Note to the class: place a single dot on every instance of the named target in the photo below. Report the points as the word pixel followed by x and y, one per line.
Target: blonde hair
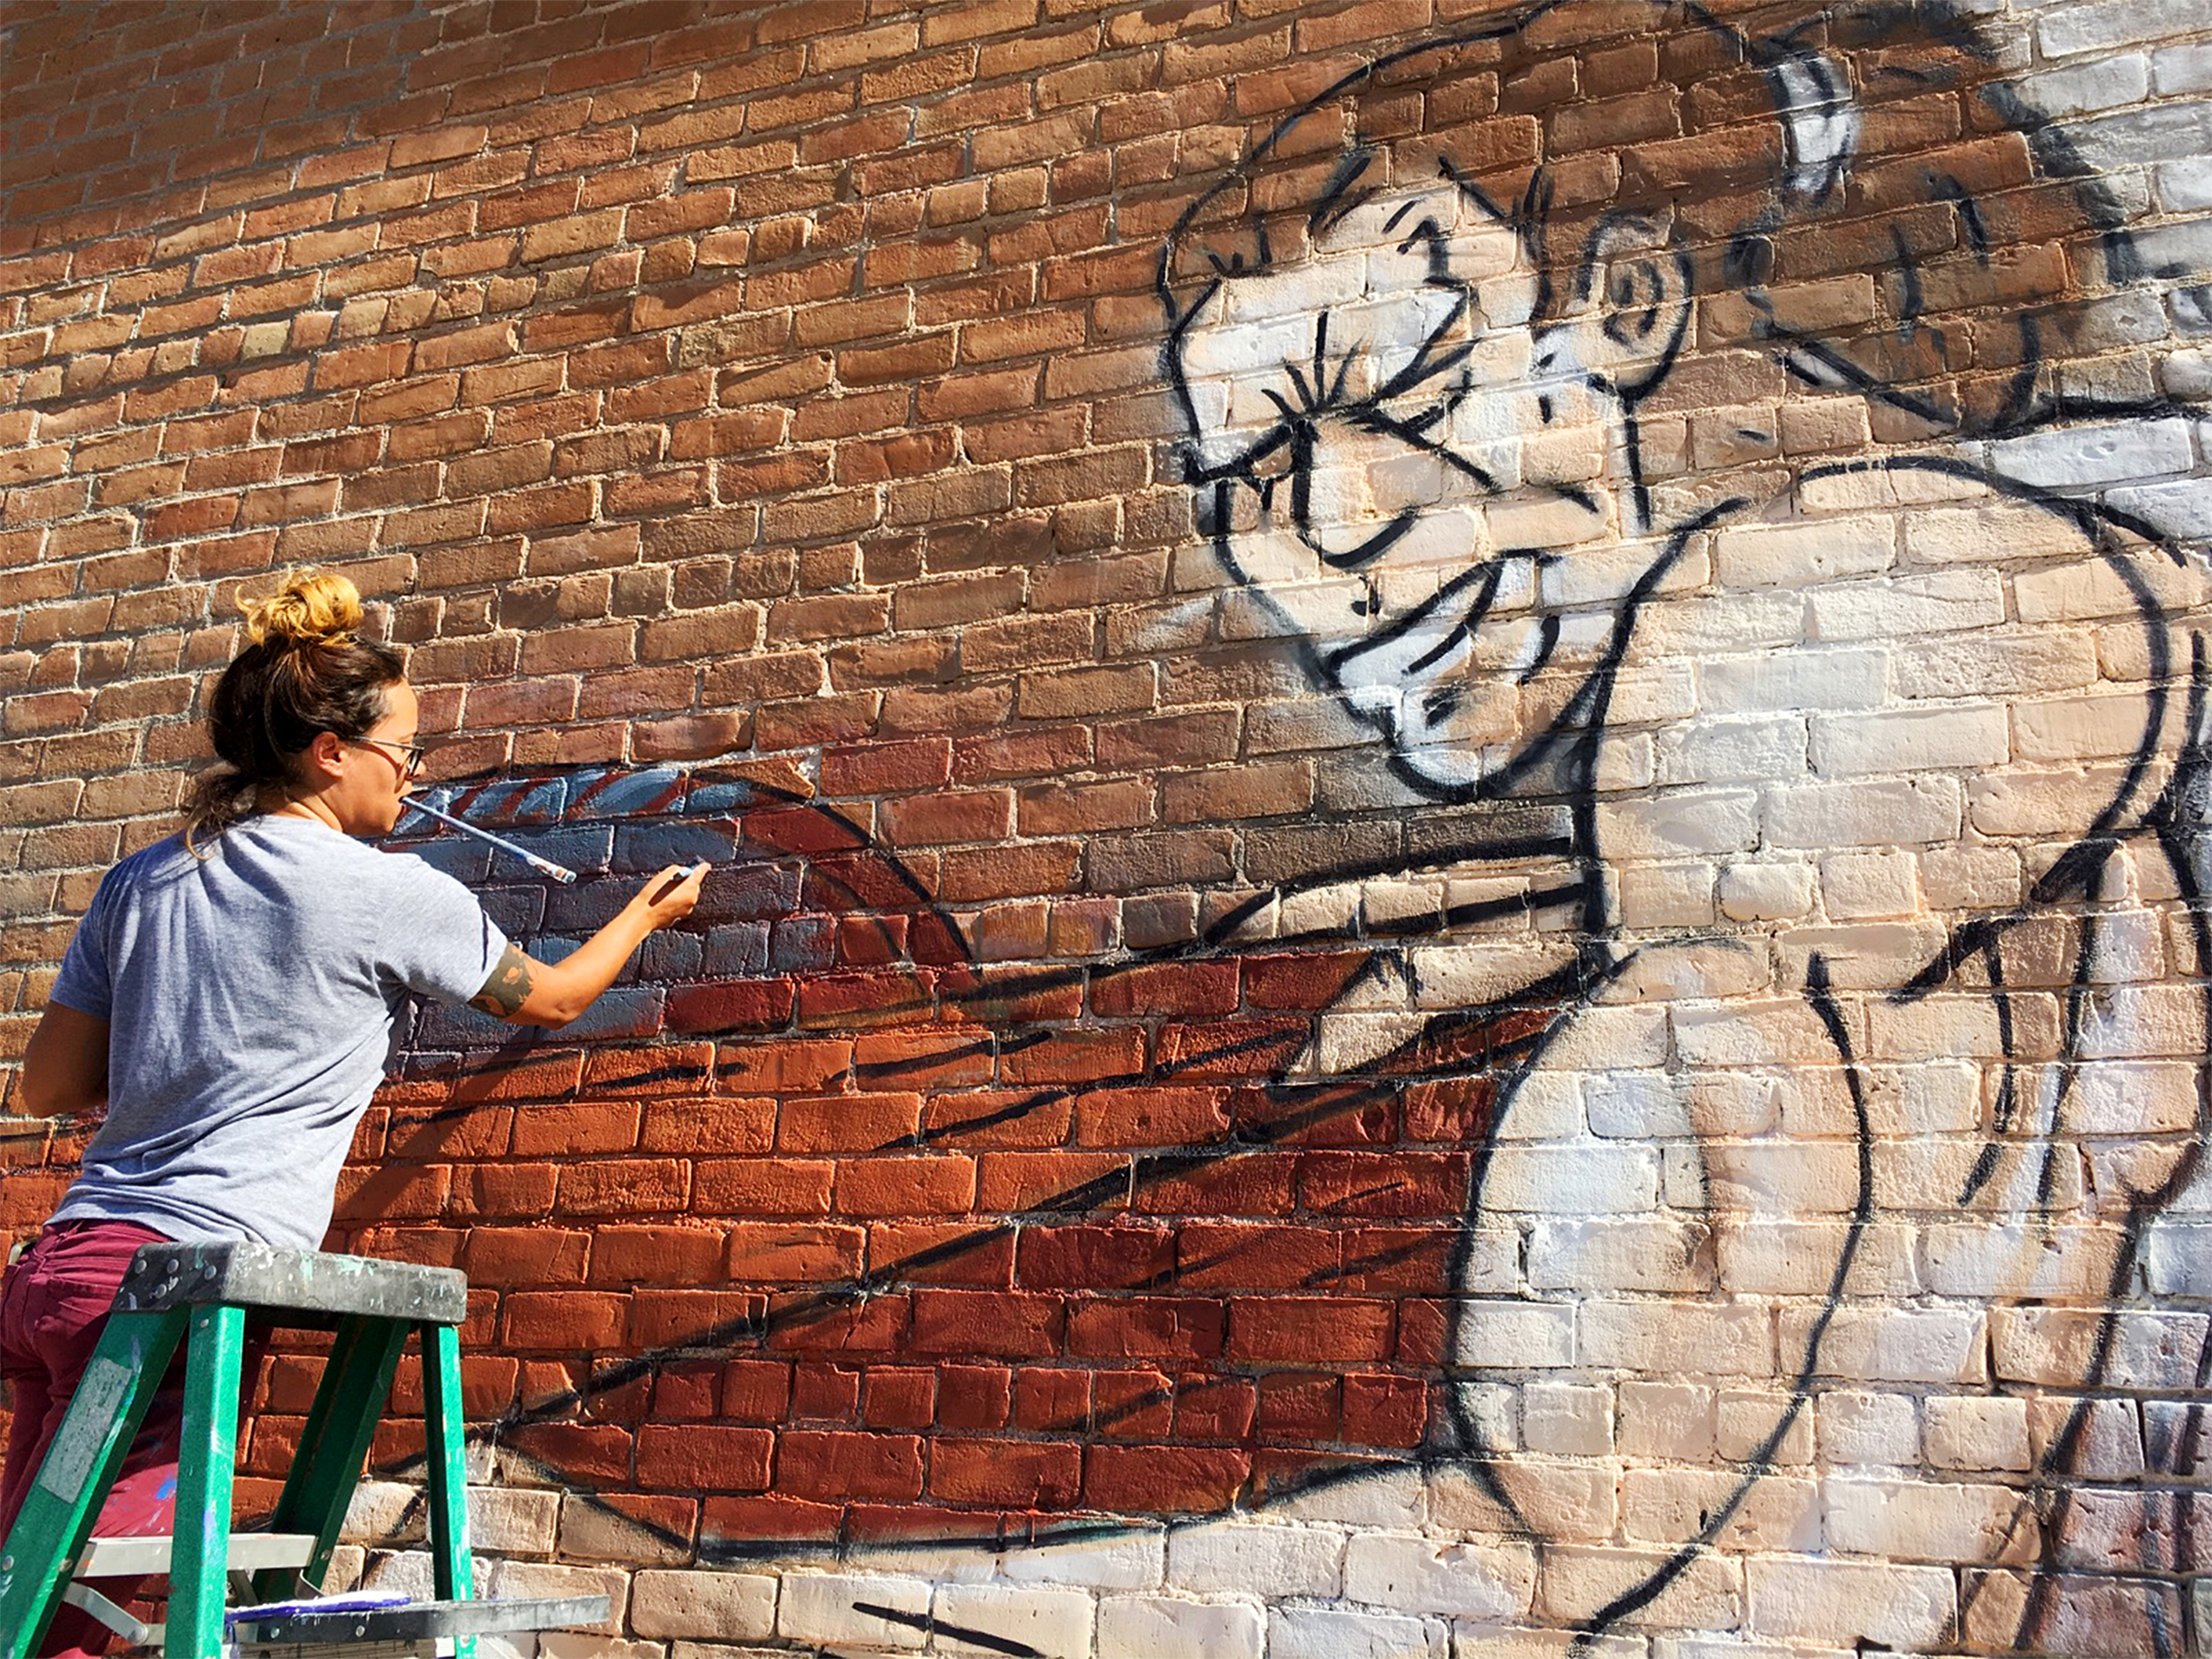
pixel 305 670
pixel 313 608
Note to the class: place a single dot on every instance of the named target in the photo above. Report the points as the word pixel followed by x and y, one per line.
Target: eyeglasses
pixel 413 752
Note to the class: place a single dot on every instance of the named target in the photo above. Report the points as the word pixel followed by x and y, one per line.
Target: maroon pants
pixel 54 1305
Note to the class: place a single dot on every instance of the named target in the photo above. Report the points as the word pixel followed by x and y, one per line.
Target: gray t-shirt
pixel 252 998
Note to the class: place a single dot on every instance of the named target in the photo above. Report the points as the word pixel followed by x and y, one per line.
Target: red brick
pixel 833 1464
pixel 1164 1480
pixel 703 1457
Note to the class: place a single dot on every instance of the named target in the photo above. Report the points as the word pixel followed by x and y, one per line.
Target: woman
pixel 229 1000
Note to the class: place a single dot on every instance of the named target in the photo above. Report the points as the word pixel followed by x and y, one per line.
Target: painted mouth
pixel 1380 675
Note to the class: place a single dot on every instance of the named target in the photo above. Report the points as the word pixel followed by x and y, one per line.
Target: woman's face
pixel 1407 466
pixel 373 774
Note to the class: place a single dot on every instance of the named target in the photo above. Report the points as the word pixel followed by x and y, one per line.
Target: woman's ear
pixel 1633 295
pixel 324 758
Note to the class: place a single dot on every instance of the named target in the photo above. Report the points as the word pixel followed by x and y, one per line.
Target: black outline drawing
pixel 1500 1044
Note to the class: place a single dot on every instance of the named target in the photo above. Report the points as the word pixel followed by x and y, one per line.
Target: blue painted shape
pixel 514 910
pixel 722 794
pixel 671 955
pixel 737 949
pixel 799 944
pixel 643 848
pixel 583 847
pixel 625 1011
pixel 465 860
pixel 747 892
pixel 458 1026
pixel 650 789
pixel 586 907
pixel 539 802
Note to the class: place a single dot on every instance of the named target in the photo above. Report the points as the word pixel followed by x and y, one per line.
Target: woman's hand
pixel 669 896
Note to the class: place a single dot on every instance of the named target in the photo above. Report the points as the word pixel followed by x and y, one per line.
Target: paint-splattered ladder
pixel 201 1295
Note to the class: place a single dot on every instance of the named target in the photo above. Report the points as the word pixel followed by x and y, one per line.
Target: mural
pixel 1788 1013
pixel 1696 1124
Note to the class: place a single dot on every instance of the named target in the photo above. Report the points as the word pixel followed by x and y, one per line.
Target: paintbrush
pixel 544 867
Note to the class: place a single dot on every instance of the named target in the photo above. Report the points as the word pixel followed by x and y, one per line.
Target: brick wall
pixel 1456 763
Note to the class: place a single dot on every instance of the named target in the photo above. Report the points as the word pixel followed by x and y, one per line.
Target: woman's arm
pixel 523 991
pixel 66 1068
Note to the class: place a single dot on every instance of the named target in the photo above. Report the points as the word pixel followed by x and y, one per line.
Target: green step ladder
pixel 201 1295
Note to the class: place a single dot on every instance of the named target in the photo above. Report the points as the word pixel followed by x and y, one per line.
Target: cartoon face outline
pixel 1408 446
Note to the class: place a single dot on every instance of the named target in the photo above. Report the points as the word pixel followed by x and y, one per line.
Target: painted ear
pixel 1635 292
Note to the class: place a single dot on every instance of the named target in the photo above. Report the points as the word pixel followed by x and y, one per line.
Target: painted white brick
pixel 2108 452
pixel 1668 1420
pixel 1937 602
pixel 1765 892
pixel 570 1645
pixel 2080 87
pixel 1256 1557
pixel 1165 1628
pixel 1325 1633
pixel 1659 1337
pixel 2177 1259
pixel 2160 133
pixel 1577 1582
pixel 1905 812
pixel 1797 1257
pixel 1924 1521
pixel 1870 884
pixel 825 1608
pixel 1559 1499
pixel 1596 1177
pixel 1806 676
pixel 2054 1346
pixel 1977 1433
pixel 2184 68
pixel 1892 1344
pixel 1842 1603
pixel 528 1579
pixel 1409 1573
pixel 1134 1559
pixel 1051 1621
pixel 1634 1253
pixel 1910 740
pixel 726 1605
pixel 1748 1419
pixel 1682 823
pixel 1985 664
pixel 1567 1419
pixel 2108 1443
pixel 2183 508
pixel 1852 1426
pixel 1513 1335
pixel 1667 1506
pixel 513 1520
pixel 1811 551
pixel 1730 751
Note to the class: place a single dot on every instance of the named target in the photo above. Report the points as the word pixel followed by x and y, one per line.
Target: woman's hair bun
pixel 313 608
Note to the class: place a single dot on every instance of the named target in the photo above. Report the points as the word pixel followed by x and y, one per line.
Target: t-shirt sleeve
pixel 85 981
pixel 436 938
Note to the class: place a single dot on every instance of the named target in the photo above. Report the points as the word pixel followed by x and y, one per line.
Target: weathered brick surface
pixel 1455 763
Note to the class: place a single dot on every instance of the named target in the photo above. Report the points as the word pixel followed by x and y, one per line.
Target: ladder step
pixel 250 1552
pixel 300 1281
pixel 419 1621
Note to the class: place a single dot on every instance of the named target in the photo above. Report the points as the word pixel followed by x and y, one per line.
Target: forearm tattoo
pixel 508 988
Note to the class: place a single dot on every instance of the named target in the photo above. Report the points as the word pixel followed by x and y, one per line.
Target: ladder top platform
pixel 419 1621
pixel 162 1277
